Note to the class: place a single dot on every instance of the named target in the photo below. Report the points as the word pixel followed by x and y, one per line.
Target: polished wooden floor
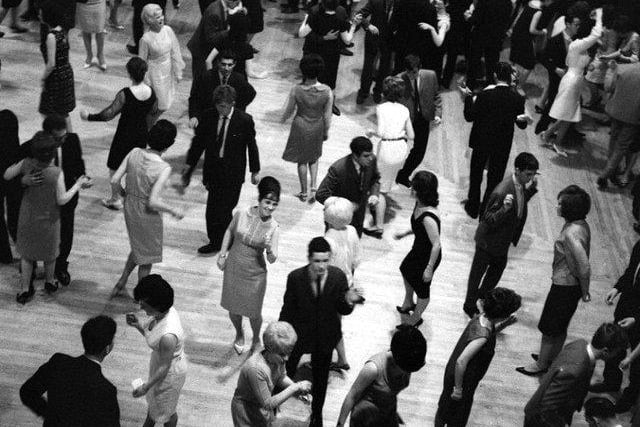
pixel 30 334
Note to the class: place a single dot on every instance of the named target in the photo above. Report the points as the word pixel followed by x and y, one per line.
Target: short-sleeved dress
pixel 256 383
pixel 416 261
pixel 309 124
pixel 161 50
pixel 132 126
pixel 383 392
pixel 162 398
pixel 58 95
pixel 392 149
pixel 457 412
pixel 245 275
pixel 39 218
pixel 91 15
pixel 144 225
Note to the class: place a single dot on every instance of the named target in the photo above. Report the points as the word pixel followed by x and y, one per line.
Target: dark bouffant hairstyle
pixel 500 303
pixel 318 244
pixel 269 187
pixel 155 291
pixel 409 348
pixel 425 184
pixel 600 407
pixel 9 129
pixel 311 65
pixel 54 122
pixel 526 161
pixel 610 336
pixel 575 203
pixel 393 88
pixel 137 68
pixel 224 94
pixel 360 144
pixel 97 333
pixel 504 72
pixel 162 135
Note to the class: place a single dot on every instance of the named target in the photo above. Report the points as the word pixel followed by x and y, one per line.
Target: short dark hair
pixel 224 94
pixel 311 65
pixel 500 303
pixel 425 184
pixel 162 135
pixel 393 88
pixel 600 407
pixel 360 144
pixel 54 122
pixel 411 62
pixel 503 72
pixel 269 186
pixel 526 162
pixel 610 336
pixel 52 13
pixel 137 68
pixel 155 291
pixel 409 348
pixel 575 203
pixel 318 245
pixel 97 333
pixel 228 54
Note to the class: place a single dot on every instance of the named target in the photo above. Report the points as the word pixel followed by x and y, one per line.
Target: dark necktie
pixel 220 138
pixel 56 160
pixel 416 97
pixel 361 178
pixel 318 287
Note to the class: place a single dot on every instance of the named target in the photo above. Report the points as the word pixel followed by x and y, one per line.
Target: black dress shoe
pixel 63 277
pixel 25 297
pixel 603 387
pixel 50 287
pixel 361 97
pixel 524 371
pixel 209 248
pixel 335 110
pixel 132 49
pixel 346 52
pixel 373 232
pixel 405 310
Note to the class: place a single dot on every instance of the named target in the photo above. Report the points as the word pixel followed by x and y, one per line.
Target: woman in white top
pixel 165 336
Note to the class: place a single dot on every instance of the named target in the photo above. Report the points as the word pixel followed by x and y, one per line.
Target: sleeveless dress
pixel 383 392
pixel 163 396
pixel 39 218
pixel 245 275
pixel 457 412
pixel 58 95
pixel 392 149
pixel 144 225
pixel 416 261
pixel 522 52
pixel 308 127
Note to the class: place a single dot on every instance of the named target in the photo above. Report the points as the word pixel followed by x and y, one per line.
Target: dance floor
pixel 30 334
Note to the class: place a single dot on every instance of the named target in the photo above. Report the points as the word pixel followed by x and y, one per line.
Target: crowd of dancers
pixel 581 44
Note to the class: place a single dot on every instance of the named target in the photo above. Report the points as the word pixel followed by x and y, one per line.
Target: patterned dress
pixel 58 95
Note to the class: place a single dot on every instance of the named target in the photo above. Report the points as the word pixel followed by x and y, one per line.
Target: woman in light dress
pixel 160 48
pixel 395 132
pixel 254 403
pixel 90 18
pixel 566 107
pixel 165 336
pixel 345 252
pixel 251 233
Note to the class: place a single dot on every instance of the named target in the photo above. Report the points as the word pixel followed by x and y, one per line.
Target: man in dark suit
pixel 201 96
pixel 376 17
pixel 78 395
pixel 316 295
pixel 69 158
pixel 422 98
pixel 500 226
pixel 226 135
pixel 493 113
pixel 356 178
pixel 137 24
pixel 564 387
pixel 627 315
pixel 408 37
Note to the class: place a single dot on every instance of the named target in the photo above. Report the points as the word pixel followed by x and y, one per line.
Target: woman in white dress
pixel 165 336
pixel 160 48
pixel 566 107
pixel 395 133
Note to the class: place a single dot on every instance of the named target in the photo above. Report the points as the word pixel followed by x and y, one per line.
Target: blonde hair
pixel 147 12
pixel 338 212
pixel 279 338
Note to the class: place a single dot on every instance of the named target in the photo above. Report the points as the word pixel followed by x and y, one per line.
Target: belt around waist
pixel 393 139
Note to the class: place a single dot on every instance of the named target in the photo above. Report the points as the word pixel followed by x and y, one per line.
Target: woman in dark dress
pixel 10 191
pixel 472 356
pixel 137 106
pixel 373 395
pixel 523 31
pixel 58 92
pixel 422 261
pixel 236 41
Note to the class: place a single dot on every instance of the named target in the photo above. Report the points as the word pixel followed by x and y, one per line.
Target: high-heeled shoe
pixel 238 348
pixel 51 287
pixel 407 310
pixel 117 290
pixel 25 297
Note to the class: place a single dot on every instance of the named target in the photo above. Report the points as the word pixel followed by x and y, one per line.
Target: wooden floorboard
pixel 30 334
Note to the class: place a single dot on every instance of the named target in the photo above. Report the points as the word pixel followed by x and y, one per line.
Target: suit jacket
pixel 201 97
pixel 241 139
pixel 493 113
pixel 629 300
pixel 430 101
pixel 564 387
pixel 210 31
pixel 72 162
pixel 316 320
pixel 78 395
pixel 374 12
pixel 500 226
pixel 624 104
pixel 342 180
